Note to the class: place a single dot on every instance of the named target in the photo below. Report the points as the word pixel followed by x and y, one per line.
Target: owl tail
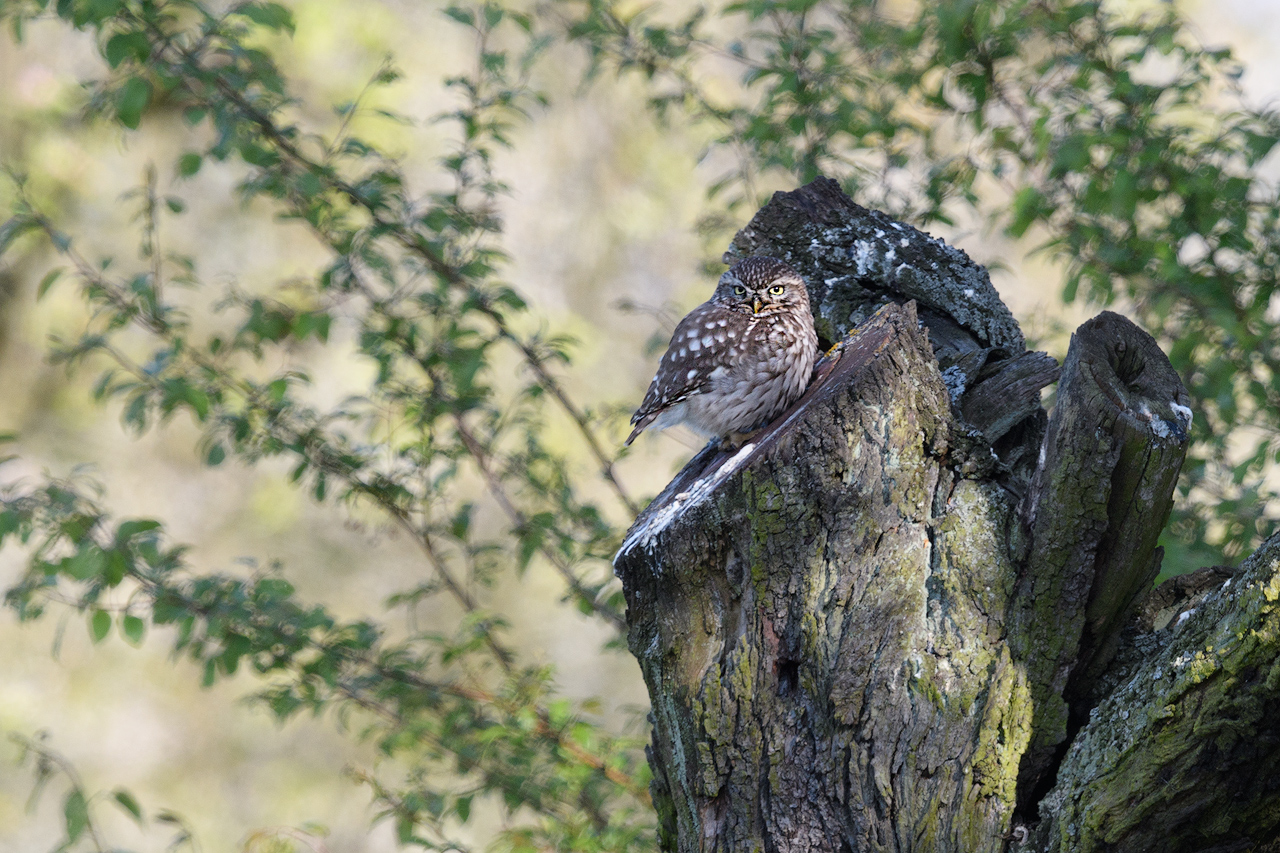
pixel 640 422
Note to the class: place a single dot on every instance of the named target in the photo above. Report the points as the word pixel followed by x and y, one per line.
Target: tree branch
pixel 1098 502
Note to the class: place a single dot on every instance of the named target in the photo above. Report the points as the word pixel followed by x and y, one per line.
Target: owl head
pixel 761 285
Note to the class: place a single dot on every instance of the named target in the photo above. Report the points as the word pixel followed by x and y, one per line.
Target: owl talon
pixel 734 440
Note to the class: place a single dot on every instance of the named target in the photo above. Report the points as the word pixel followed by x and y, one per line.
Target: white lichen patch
pixel 1159 426
pixel 955 380
pixel 862 255
pixel 646 535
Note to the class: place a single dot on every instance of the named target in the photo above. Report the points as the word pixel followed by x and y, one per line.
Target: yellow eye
pixel 739 290
pixel 776 290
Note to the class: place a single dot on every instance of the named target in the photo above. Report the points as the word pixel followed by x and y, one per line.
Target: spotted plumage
pixel 738 359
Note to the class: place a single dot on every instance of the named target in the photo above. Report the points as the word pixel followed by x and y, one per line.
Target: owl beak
pixel 756 305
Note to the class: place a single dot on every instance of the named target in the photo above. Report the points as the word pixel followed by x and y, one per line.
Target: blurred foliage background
pixel 314 490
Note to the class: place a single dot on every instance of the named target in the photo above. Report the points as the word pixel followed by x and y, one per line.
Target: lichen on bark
pixel 1184 750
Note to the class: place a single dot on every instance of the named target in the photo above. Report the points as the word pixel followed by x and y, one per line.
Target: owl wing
pixel 686 366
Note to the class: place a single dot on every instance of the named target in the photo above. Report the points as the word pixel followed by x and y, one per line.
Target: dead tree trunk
pixel 903 616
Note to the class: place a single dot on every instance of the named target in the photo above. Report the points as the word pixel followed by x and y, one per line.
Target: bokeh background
pixel 603 226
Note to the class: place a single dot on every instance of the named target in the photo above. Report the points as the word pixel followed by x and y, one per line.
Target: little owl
pixel 738 359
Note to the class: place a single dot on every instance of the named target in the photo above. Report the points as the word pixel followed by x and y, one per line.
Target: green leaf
pixel 117 568
pixel 189 164
pixel 9 523
pixel 270 15
pixel 47 282
pixel 122 46
pixel 85 564
pixel 14 228
pixel 99 625
pixel 132 628
pixel 215 456
pixel 76 812
pixel 129 529
pixel 256 155
pixel 462 16
pixel 198 400
pixel 128 803
pixel 1026 210
pixel 133 99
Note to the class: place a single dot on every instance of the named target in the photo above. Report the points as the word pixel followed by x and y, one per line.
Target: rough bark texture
pixel 903 616
pixel 1097 504
pixel 1184 752
pixel 856 260
pixel 815 618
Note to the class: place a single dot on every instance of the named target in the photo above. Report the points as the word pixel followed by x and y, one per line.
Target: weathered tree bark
pixel 902 617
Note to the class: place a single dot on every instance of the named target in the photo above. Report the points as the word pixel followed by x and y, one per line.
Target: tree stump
pixel 899 617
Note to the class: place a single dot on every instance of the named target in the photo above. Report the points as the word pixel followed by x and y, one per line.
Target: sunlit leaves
pixel 450 429
pixel 501 739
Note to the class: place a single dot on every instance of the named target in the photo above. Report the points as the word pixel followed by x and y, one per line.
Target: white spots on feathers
pixel 707 340
pixel 695 345
pixel 647 534
pixel 690 375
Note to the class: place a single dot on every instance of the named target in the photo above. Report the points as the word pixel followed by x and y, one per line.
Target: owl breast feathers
pixel 737 360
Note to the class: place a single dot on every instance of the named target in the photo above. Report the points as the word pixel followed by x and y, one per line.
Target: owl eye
pixel 739 290
pixel 776 290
